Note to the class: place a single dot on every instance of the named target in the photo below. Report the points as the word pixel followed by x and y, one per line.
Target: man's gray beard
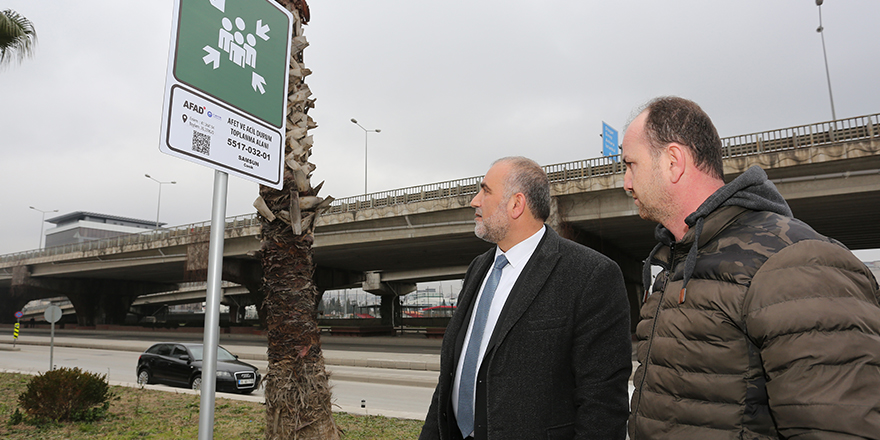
pixel 489 233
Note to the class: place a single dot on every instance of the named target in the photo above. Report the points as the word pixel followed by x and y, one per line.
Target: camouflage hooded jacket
pixel 757 327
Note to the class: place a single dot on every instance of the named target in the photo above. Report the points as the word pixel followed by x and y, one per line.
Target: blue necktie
pixel 465 416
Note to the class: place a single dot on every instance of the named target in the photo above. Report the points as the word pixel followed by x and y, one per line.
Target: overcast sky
pixel 452 85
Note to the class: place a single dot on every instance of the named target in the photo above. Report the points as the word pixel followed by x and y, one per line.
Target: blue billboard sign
pixel 609 140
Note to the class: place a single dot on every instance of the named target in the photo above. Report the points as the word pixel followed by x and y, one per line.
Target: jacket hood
pixel 751 190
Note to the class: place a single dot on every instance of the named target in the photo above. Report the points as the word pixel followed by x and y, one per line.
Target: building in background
pixel 81 227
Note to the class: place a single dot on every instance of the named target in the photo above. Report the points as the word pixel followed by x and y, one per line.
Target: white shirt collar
pixel 520 253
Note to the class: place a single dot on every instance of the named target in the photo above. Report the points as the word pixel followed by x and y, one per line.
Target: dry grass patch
pixel 137 413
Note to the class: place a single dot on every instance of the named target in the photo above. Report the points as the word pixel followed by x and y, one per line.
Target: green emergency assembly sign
pixel 226 88
pixel 231 54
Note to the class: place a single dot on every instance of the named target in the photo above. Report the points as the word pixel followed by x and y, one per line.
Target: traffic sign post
pixel 226 87
pixel 52 315
pixel 18 316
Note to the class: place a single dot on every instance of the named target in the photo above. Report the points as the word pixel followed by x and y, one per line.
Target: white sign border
pixel 171 82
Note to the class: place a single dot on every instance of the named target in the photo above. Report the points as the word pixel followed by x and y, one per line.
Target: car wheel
pixel 144 377
pixel 196 383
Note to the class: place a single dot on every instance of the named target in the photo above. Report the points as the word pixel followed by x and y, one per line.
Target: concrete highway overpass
pixel 385 242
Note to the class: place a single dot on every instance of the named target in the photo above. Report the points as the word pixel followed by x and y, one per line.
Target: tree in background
pixel 298 398
pixel 17 37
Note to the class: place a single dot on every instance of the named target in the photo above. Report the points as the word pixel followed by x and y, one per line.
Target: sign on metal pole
pixel 225 107
pixel 52 315
pixel 226 87
pixel 609 140
pixel 18 315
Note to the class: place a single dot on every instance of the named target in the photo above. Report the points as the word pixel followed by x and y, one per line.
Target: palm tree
pixel 298 404
pixel 17 37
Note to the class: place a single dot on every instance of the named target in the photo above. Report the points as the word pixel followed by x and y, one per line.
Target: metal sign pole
pixel 52 347
pixel 212 308
pixel 18 315
pixel 52 314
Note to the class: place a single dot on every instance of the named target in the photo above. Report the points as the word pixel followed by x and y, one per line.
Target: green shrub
pixel 16 418
pixel 66 394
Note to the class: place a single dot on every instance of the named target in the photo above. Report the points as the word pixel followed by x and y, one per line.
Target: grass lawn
pixel 137 413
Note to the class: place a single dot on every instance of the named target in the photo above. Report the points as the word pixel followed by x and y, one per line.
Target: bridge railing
pixel 153 235
pixel 584 169
pixel 802 136
pixel 431 191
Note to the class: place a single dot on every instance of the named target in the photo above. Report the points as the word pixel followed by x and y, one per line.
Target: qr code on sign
pixel 201 143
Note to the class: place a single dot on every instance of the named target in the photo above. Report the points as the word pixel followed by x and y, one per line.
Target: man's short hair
pixel 527 177
pixel 673 119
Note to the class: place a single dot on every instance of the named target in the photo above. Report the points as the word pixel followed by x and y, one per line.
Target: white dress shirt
pixel 517 257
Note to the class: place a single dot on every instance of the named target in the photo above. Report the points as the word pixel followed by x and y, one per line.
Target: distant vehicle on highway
pixel 180 364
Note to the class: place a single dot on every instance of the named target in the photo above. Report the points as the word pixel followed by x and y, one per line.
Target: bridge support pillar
pixel 389 311
pixel 236 314
pixel 14 298
pixel 632 278
pixel 9 305
pixel 390 293
pixel 631 267
pixel 249 273
pixel 94 307
pixel 237 306
pixel 96 301
pixel 150 312
pixel 555 220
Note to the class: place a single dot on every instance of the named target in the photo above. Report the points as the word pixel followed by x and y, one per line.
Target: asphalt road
pixel 360 390
pixel 389 376
pixel 406 343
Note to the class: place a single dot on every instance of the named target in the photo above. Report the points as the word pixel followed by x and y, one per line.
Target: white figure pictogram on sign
pixel 240 45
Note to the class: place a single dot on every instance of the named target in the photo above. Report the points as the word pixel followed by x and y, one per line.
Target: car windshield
pixel 222 354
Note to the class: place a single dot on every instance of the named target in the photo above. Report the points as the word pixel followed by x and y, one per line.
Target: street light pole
pixel 821 32
pixel 42 223
pixel 159 203
pixel 366 132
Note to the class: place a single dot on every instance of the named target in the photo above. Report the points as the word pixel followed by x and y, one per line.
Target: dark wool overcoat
pixel 558 362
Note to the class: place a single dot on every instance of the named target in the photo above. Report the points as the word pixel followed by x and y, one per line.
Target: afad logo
pixel 200 110
pixel 193 107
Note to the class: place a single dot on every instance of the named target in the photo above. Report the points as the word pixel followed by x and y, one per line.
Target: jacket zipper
pixel 653 331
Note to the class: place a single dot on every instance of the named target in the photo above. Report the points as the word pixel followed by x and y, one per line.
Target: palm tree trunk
pixel 298 398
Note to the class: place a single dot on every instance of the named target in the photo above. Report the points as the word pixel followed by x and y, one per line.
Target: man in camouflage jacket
pixel 757 327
